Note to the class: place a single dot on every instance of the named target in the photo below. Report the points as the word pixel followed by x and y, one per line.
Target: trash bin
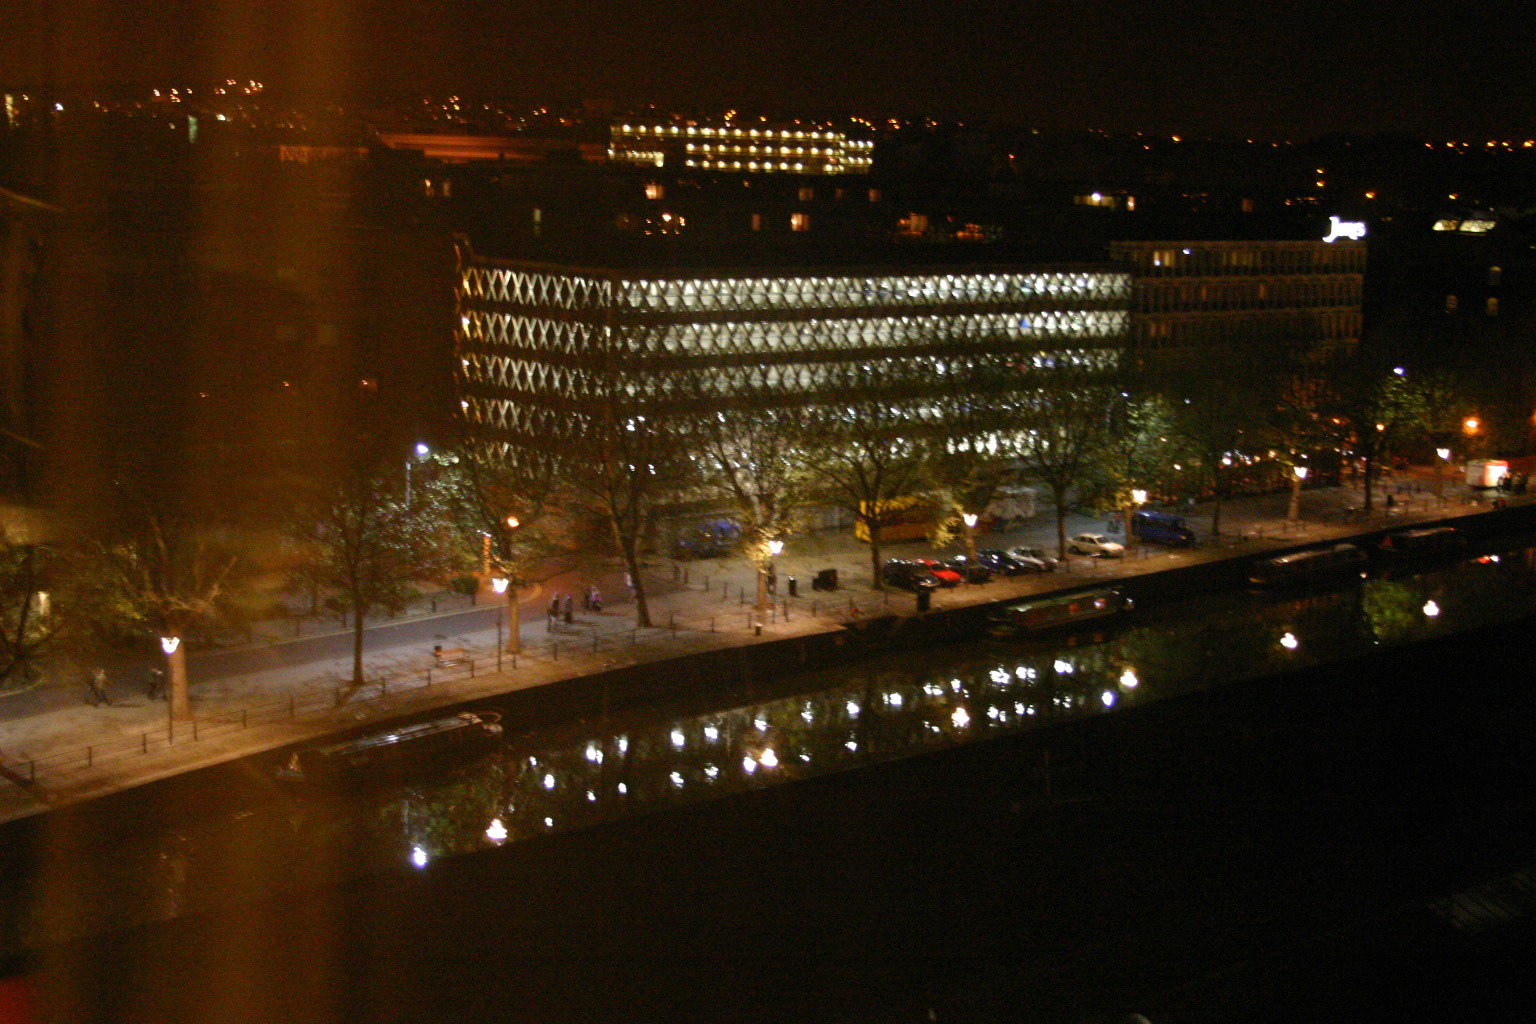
pixel 794 587
pixel 826 579
pixel 924 599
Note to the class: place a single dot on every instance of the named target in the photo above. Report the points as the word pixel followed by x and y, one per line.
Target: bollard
pixel 338 700
pixel 194 730
pixel 594 642
pixel 711 623
pixel 557 652
pixel 290 706
pixel 242 718
pixel 429 677
pixel 434 604
pixel 88 756
pixel 471 668
pixel 143 742
pixel 634 637
pixel 298 626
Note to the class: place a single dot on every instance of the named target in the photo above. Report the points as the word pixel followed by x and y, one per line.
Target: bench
pixel 447 657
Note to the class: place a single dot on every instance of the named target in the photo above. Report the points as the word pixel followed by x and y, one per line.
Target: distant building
pixel 1197 297
pixel 763 149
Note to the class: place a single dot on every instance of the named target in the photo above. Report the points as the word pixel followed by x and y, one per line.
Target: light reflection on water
pixel 906 704
pixel 885 708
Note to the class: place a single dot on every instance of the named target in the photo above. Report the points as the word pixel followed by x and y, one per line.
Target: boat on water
pixel 1060 610
pixel 1315 565
pixel 387 751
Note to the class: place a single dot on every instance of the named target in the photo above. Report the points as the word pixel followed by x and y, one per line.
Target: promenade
pixel 55 749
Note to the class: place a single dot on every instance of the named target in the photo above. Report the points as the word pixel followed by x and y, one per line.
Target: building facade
pixel 1197 298
pixel 543 348
pixel 761 149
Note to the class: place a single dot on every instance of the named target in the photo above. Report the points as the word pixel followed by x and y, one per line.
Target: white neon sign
pixel 1338 229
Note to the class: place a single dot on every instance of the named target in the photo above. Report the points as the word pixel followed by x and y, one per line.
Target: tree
pixel 869 455
pixel 164 573
pixel 625 468
pixel 1141 449
pixel 1064 424
pixel 367 544
pixel 757 462
pixel 28 622
pixel 498 503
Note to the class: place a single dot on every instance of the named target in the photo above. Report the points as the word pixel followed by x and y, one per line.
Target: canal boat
pixel 1428 540
pixel 1060 610
pixel 387 752
pixel 1303 567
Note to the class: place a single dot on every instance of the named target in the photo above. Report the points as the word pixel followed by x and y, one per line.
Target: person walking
pixel 554 612
pixel 98 688
pixel 154 684
pixel 597 600
pixel 570 609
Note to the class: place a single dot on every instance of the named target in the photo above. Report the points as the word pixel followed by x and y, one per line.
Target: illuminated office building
pixel 543 347
pixel 731 149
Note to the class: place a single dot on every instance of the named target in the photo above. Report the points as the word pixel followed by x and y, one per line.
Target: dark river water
pixel 113 873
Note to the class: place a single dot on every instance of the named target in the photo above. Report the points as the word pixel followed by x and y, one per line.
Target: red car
pixel 947 576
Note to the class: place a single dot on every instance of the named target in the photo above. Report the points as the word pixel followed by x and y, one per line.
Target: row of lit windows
pixel 559 337
pixel 1170 295
pixel 725 294
pixel 1220 259
pixel 1302 329
pixel 739 133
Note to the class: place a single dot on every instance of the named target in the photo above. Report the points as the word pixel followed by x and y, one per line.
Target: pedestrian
pixel 154 684
pixel 554 612
pixel 597 600
pixel 99 688
pixel 570 609
pixel 586 599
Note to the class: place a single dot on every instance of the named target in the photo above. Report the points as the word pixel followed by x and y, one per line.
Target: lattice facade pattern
pixel 543 348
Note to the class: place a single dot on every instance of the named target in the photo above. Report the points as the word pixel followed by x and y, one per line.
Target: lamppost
pixel 506 585
pixel 1298 475
pixel 1445 460
pixel 770 550
pixel 970 519
pixel 180 707
pixel 422 451
pixel 1138 499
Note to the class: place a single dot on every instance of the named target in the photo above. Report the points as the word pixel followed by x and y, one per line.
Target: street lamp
pixel 1445 460
pixel 1298 475
pixel 504 585
pixel 422 451
pixel 769 551
pixel 1138 499
pixel 970 520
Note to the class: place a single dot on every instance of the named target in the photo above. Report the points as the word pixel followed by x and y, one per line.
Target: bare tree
pixel 626 467
pixel 367 544
pixel 1064 423
pixel 870 454
pixel 759 463
pixel 164 573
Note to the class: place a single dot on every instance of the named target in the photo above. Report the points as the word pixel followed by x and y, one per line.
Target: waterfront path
pixel 281 689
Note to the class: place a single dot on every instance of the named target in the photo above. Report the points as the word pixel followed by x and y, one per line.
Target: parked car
pixel 1004 564
pixel 1162 528
pixel 908 576
pixel 1095 544
pixel 970 572
pixel 1035 559
pixel 946 576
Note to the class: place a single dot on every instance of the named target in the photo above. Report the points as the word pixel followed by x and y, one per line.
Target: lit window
pixel 757 222
pixel 1493 306
pixel 1451 302
pixel 654 191
pixel 807 193
pixel 1494 273
pixel 799 222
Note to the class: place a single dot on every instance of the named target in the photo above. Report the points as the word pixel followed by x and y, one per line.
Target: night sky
pixel 1275 69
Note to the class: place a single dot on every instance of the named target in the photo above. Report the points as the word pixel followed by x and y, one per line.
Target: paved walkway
pixel 60 750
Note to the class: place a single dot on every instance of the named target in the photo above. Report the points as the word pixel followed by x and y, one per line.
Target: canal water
pixel 122 869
